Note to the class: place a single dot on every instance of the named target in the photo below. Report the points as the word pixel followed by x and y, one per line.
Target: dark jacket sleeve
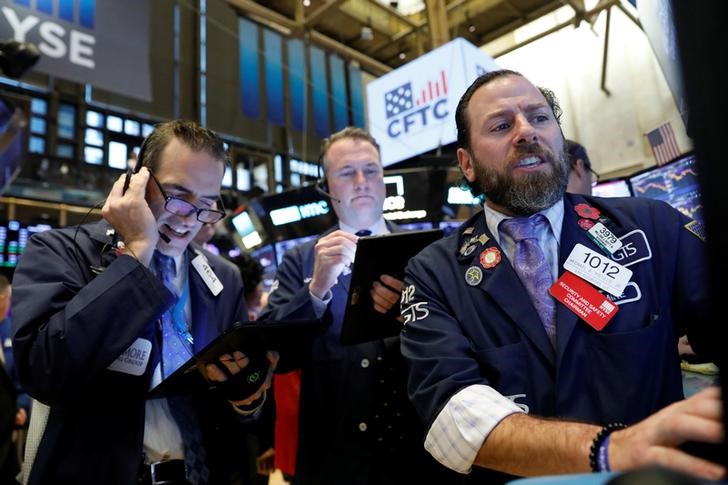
pixel 68 325
pixel 289 297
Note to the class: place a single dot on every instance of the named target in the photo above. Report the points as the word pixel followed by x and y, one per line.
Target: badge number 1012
pixel 598 270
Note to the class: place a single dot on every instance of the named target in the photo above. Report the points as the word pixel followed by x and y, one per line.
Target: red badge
pixel 585 224
pixel 587 211
pixel 490 258
pixel 583 299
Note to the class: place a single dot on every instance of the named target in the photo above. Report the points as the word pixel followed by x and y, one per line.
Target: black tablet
pixel 377 255
pixel 248 337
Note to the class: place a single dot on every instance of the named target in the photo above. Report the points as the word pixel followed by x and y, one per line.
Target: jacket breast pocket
pixel 636 372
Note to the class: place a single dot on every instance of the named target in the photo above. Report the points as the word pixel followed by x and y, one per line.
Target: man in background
pixel 12 415
pixel 581 175
pixel 356 425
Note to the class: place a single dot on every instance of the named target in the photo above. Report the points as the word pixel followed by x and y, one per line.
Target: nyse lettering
pixel 56 41
pixel 417 119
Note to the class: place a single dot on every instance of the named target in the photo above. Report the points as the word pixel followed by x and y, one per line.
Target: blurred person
pixel 12 416
pixel 522 361
pixel 582 176
pixel 252 273
pixel 104 311
pixel 257 437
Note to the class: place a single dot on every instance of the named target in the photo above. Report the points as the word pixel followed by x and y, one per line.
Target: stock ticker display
pixel 675 183
pixel 13 238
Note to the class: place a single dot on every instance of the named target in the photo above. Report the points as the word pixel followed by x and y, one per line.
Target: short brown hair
pixel 349 132
pixel 462 121
pixel 191 133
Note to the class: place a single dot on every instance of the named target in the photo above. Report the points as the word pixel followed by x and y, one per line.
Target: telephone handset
pixel 137 167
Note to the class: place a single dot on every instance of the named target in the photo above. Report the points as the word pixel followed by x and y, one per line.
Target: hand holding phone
pixel 128 212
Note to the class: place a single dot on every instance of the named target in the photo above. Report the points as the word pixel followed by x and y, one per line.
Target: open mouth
pixel 530 162
pixel 176 232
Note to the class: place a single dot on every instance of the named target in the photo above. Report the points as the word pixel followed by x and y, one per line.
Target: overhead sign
pixel 412 109
pixel 101 42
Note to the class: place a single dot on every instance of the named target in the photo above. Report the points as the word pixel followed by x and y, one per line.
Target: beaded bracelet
pixel 597 452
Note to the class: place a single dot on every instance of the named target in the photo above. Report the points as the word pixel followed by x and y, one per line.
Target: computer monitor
pixel 612 188
pixel 294 213
pixel 415 226
pixel 13 238
pixel 413 195
pixel 449 226
pixel 675 183
pixel 266 256
pixel 245 230
pixel 282 246
pixel 13 141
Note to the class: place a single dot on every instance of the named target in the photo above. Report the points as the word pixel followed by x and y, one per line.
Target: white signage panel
pixel 412 109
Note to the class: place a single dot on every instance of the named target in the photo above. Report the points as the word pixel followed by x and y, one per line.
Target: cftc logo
pixel 409 111
pixel 57 40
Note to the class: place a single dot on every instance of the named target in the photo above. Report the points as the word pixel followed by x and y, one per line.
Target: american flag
pixel 398 100
pixel 663 144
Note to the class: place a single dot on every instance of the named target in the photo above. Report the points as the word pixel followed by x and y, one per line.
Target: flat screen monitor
pixel 449 226
pixel 13 238
pixel 675 183
pixel 283 246
pixel 414 195
pixel 612 188
pixel 266 256
pixel 13 141
pixel 246 230
pixel 415 226
pixel 292 214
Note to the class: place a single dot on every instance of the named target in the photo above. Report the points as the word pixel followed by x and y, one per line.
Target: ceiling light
pixel 366 33
pixel 306 3
pixel 469 22
pixel 402 56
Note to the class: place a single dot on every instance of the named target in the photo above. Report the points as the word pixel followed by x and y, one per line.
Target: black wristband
pixel 597 442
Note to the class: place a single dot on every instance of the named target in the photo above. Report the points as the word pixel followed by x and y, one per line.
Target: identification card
pixel 583 299
pixel 598 269
pixel 208 275
pixel 603 237
pixel 134 359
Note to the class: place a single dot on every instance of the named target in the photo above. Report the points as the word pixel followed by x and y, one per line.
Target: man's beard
pixel 530 192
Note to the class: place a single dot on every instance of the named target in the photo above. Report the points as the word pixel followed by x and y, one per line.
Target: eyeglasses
pixel 595 177
pixel 180 207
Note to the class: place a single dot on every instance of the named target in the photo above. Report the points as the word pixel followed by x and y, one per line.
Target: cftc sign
pixel 412 109
pixel 101 42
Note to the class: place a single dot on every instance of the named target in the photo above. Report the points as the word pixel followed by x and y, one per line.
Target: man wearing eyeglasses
pixel 104 311
pixel 582 176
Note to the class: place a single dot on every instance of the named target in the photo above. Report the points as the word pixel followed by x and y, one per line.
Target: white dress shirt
pixel 467 419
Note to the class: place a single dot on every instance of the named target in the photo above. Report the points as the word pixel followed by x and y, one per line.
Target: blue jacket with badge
pixel 356 425
pixel 70 324
pixel 459 335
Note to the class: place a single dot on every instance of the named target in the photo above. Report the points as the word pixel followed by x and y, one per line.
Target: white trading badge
pixel 604 238
pixel 208 275
pixel 134 359
pixel 598 270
